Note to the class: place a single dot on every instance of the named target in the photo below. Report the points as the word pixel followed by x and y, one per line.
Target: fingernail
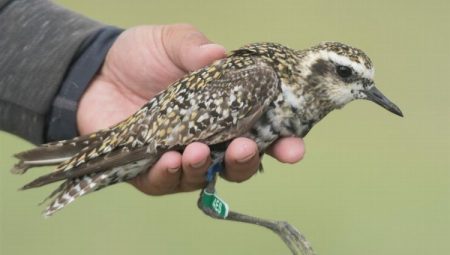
pixel 246 158
pixel 173 170
pixel 199 164
pixel 213 46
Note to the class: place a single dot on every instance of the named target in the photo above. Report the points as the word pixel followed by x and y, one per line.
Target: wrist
pixel 62 121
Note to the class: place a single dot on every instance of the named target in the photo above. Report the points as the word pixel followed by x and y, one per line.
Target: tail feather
pixel 71 189
pixel 54 153
pixel 58 190
pixel 24 164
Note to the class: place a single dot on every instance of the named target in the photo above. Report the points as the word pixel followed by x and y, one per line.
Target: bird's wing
pixel 115 158
pixel 56 152
pixel 218 110
pixel 225 108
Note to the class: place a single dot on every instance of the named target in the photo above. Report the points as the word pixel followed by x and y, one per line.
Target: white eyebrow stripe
pixel 345 61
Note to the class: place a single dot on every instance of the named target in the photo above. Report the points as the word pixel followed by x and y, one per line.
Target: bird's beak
pixel 374 95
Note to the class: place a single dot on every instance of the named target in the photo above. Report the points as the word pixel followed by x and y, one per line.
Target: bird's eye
pixel 344 71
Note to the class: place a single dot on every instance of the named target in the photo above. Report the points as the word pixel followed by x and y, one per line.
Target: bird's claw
pixel 296 242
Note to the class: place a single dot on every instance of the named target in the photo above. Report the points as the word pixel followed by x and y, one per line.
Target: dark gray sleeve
pixel 38 41
pixel 62 117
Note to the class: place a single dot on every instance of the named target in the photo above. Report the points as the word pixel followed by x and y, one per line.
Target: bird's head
pixel 339 74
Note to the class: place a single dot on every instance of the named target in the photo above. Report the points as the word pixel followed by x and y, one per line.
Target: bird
pixel 262 91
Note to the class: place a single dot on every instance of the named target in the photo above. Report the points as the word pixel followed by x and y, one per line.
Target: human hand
pixel 144 61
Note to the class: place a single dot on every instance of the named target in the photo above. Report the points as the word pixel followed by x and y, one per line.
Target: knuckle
pixel 236 176
pixel 163 187
pixel 239 179
pixel 188 186
pixel 163 190
pixel 157 190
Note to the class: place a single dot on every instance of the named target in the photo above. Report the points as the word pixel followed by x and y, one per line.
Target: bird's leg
pixel 295 240
pixel 209 202
pixel 216 208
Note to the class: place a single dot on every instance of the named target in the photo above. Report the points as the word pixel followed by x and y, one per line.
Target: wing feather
pixel 99 164
pixel 227 108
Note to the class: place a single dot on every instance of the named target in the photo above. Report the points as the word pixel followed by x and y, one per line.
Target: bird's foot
pixel 216 208
pixel 296 242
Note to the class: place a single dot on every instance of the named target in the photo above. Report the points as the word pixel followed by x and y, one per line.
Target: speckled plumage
pixel 212 105
pixel 262 91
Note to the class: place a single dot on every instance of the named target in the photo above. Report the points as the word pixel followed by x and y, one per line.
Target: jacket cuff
pixel 62 124
pixel 39 41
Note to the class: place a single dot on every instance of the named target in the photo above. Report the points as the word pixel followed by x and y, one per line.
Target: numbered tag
pixel 216 204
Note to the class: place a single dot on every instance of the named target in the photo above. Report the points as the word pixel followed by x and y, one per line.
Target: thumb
pixel 188 48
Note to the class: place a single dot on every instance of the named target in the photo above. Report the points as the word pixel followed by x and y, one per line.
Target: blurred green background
pixel 371 183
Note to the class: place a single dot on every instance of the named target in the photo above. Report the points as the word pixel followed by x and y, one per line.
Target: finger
pixel 163 178
pixel 241 160
pixel 287 150
pixel 203 55
pixel 195 162
pixel 188 48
